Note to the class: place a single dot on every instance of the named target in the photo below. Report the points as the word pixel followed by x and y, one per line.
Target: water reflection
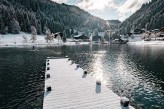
pixel 98 66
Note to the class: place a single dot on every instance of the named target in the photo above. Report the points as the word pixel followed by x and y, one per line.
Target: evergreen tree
pixel 68 33
pixel 45 13
pixel 64 36
pixel 14 26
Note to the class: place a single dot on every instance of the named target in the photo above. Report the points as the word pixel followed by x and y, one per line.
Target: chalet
pixel 96 38
pixel 162 29
pixel 162 32
pixel 138 31
pixel 155 30
pixel 81 37
pixel 58 33
pixel 101 34
pixel 119 41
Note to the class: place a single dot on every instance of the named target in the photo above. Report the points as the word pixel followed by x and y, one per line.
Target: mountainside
pixel 22 14
pixel 114 24
pixel 149 16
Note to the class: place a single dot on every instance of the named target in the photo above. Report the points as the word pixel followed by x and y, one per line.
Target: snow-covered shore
pixel 146 42
pixel 17 40
pixel 136 40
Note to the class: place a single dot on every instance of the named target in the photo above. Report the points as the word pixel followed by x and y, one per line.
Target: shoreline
pixel 41 45
pixel 17 40
pixel 146 43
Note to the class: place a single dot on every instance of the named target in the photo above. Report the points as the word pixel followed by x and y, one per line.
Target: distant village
pixel 77 37
pixel 143 34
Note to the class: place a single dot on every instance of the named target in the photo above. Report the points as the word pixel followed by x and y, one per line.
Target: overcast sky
pixel 108 9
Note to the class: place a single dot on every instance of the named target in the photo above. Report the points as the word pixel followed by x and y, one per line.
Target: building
pixel 81 37
pixel 58 33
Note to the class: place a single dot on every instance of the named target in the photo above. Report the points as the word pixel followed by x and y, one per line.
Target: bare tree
pixel 24 39
pixel 33 34
pixel 59 38
pixel 49 36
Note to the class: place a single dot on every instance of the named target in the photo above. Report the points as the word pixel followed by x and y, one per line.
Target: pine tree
pixel 14 26
pixel 68 33
pixel 64 36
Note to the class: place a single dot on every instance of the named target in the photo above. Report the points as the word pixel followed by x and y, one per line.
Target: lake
pixel 134 71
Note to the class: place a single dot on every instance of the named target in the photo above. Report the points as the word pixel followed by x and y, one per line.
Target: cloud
pixel 101 8
pixel 60 1
pixel 123 9
pixel 94 4
pixel 129 7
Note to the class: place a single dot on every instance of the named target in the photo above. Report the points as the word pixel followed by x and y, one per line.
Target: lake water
pixel 136 72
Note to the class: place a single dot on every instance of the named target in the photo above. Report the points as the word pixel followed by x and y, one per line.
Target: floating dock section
pixel 67 86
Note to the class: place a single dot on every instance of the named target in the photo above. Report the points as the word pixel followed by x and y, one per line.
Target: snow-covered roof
pixel 78 35
pixel 101 34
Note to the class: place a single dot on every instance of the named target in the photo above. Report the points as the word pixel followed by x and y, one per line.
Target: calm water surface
pixel 136 72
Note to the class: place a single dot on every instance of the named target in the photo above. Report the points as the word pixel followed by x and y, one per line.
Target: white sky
pixel 108 9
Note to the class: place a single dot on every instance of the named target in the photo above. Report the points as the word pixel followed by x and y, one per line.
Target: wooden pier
pixel 67 86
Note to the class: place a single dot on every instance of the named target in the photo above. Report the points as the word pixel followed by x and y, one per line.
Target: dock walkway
pixel 72 89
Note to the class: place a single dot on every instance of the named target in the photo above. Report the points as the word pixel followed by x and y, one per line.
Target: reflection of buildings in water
pixel 154 51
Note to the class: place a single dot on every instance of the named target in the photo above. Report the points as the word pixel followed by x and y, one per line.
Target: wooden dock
pixel 72 89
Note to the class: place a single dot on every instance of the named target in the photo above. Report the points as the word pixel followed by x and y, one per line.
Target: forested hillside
pixel 149 16
pixel 18 15
pixel 114 24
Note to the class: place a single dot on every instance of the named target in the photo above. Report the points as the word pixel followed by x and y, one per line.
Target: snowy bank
pixel 137 40
pixel 147 42
pixel 24 39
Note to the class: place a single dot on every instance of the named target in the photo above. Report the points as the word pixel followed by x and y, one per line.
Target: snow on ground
pixel 147 42
pixel 16 40
pixel 136 40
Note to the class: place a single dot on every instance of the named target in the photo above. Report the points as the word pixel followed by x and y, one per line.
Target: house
pixel 96 38
pixel 162 31
pixel 119 41
pixel 58 33
pixel 101 34
pixel 139 31
pixel 82 37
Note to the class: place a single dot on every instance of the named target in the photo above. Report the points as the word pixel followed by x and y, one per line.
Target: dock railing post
pixel 124 102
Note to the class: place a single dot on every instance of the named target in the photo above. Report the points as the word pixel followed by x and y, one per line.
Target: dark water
pixel 136 72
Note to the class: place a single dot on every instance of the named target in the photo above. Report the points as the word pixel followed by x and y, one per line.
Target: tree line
pixel 16 15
